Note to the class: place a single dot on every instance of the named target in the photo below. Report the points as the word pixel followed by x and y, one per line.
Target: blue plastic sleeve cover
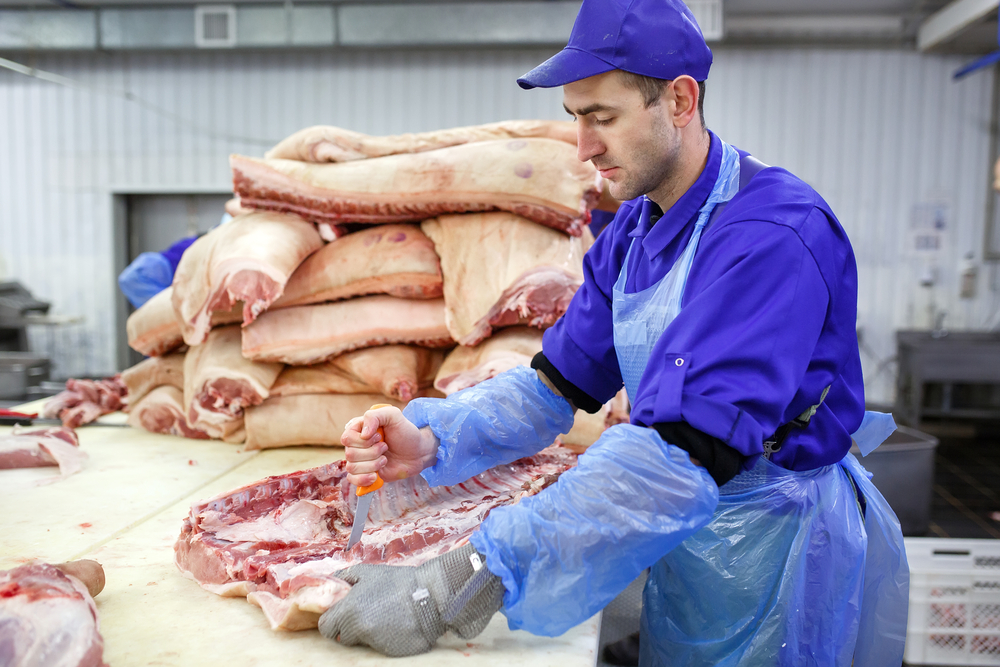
pixel 505 418
pixel 568 551
pixel 149 274
pixel 874 429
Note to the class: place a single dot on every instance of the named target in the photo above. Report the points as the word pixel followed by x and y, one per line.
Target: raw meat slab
pixel 306 419
pixel 398 371
pixel 151 373
pixel 540 179
pixel 281 540
pixel 249 259
pixel 47 619
pixel 304 335
pixel 325 143
pixel 162 411
pixel 83 401
pixel 389 259
pixel 42 447
pixel 219 383
pixel 501 269
pixel 468 366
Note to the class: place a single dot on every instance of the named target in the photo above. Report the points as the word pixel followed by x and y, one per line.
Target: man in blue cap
pixel 724 298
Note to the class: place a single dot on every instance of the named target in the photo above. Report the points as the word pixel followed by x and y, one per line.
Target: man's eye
pixel 603 121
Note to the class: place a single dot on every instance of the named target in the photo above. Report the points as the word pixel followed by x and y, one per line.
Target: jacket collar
pixel 656 228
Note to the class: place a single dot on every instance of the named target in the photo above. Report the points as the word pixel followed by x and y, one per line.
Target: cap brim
pixel 567 66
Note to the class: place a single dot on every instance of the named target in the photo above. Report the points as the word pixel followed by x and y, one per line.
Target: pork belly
pixel 304 335
pixel 219 383
pixel 325 143
pixel 48 619
pixel 151 373
pixel 281 540
pixel 161 410
pixel 306 419
pixel 248 259
pixel 389 259
pixel 468 366
pixel 540 179
pixel 501 269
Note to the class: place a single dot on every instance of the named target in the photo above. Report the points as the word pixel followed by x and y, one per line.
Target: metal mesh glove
pixel 402 610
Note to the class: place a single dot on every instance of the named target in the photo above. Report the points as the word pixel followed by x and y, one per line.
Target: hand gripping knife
pixel 365 495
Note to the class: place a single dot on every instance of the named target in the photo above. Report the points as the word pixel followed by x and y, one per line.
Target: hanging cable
pixel 131 97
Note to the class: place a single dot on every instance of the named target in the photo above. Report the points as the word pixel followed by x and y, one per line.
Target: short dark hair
pixel 651 89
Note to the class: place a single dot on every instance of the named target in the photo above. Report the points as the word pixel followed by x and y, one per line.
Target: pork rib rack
pixel 281 540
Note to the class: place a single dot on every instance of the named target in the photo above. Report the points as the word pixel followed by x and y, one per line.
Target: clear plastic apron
pixel 795 568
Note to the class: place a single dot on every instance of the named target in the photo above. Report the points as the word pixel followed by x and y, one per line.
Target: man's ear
pixel 684 93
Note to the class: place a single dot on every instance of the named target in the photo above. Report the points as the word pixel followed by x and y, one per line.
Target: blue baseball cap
pixel 656 38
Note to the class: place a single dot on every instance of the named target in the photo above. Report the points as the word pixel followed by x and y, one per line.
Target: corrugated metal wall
pixel 876 132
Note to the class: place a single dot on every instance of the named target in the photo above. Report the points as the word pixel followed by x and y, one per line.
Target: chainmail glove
pixel 402 610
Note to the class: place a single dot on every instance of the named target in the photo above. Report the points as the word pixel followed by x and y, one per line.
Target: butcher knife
pixel 365 495
pixel 13 418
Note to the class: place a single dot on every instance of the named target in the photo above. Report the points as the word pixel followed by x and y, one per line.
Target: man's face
pixel 636 149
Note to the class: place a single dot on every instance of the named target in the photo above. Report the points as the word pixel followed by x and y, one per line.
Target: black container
pixel 19 371
pixel 903 470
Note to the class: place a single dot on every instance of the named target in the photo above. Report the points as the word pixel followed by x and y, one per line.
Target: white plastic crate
pixel 954 616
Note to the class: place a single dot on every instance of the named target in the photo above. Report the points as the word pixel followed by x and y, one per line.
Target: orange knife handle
pixel 362 490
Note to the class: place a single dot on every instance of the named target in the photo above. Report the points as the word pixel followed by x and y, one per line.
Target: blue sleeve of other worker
pixel 566 552
pixel 505 418
pixel 149 274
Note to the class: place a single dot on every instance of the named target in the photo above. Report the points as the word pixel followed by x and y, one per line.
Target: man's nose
pixel 588 145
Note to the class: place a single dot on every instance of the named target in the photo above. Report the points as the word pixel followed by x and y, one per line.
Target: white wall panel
pixel 875 131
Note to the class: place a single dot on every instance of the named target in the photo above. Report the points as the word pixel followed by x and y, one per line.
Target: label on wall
pixel 928 227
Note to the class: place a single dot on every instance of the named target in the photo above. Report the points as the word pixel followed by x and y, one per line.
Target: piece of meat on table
pixel 151 373
pixel 304 335
pixel 306 419
pixel 468 366
pixel 162 411
pixel 83 401
pixel 56 446
pixel 501 269
pixel 388 259
pixel 219 383
pixel 48 619
pixel 281 540
pixel 248 259
pixel 325 143
pixel 540 179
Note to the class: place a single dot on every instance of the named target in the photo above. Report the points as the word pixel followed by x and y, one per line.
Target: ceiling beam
pixel 948 22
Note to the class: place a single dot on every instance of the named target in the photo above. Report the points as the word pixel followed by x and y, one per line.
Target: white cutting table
pixel 125 509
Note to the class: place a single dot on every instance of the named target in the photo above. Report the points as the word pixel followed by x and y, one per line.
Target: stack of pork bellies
pixel 360 270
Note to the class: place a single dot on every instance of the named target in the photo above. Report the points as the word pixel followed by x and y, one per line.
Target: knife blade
pixel 13 418
pixel 365 495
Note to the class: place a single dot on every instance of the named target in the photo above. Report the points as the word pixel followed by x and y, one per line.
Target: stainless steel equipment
pixel 20 371
pixel 17 308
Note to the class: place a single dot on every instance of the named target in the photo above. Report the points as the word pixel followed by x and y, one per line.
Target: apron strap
pixel 749 167
pixel 773 444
